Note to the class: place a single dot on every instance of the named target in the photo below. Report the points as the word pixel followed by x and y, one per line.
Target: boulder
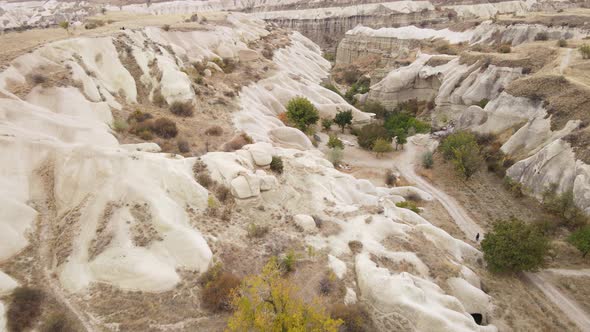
pixel 292 138
pixel 472 116
pixel 214 66
pixel 245 186
pixel 207 73
pixel 305 222
pixel 267 182
pixel 260 156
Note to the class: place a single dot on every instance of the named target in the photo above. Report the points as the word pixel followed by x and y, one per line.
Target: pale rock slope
pixel 40 13
pixel 300 70
pixel 104 213
pixel 452 85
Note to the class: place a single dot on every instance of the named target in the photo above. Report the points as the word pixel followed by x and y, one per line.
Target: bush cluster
pixel 24 308
pixel 301 113
pixel 180 108
pixel 462 150
pixel 218 286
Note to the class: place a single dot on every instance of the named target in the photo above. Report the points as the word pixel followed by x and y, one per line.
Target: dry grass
pixel 24 309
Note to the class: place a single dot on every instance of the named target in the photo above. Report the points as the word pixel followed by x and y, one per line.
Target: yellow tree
pixel 267 302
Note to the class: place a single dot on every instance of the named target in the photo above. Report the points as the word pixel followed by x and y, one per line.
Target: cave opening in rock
pixel 478 318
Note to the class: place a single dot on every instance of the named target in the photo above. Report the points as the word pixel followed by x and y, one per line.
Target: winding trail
pixel 406 162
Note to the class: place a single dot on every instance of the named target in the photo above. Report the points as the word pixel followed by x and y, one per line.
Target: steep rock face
pixel 42 13
pixel 452 85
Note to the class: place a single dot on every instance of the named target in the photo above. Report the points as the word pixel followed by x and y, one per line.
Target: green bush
pixel 360 87
pixel 427 160
pixel 381 146
pixel 401 122
pixel 513 246
pixel 369 133
pixel 581 240
pixel 288 261
pixel 24 308
pixel 120 126
pixel 562 43
pixel 454 141
pixel 335 156
pixel 257 231
pixel 401 139
pixel 408 205
pixel 585 51
pixel 276 164
pixel 335 142
pixel 467 160
pixel 376 108
pixel 514 187
pixel 327 124
pixel 302 113
pixel 482 103
pixel 343 119
pixel 563 206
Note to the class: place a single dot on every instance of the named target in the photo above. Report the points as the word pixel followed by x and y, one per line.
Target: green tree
pixel 65 25
pixel 581 240
pixel 401 138
pixel 327 124
pixel 268 303
pixel 301 113
pixel 381 146
pixel 467 160
pixel 335 142
pixel 514 246
pixel 369 133
pixel 343 119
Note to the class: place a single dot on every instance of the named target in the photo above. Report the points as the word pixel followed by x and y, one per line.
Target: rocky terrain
pixel 140 150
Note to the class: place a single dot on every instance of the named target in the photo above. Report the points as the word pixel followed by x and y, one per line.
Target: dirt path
pixel 406 163
pixel 569 306
pixel 571 273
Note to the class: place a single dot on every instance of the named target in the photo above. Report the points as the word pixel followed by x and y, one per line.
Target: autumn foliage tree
pixel 267 302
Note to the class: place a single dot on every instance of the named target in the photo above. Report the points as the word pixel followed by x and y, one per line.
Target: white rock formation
pixel 305 223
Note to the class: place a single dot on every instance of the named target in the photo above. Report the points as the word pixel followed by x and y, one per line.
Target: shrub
pixel 24 308
pixel 276 164
pixel 329 56
pixel 58 322
pixel 205 180
pixel 408 205
pixel 302 113
pixel 376 108
pixel 351 75
pixel 138 116
pixel 64 25
pixel 581 240
pixel 563 206
pixel 355 246
pixel 327 124
pixel 158 99
pixel 454 141
pixel 120 125
pixel 504 48
pixel 335 156
pixel 400 139
pixel 332 88
pixel 330 284
pixel 37 78
pixel 217 293
pixel 214 131
pixel 355 318
pixel 427 160
pixel 514 246
pixel 335 142
pixel 402 122
pixel 223 193
pixel 371 132
pixel 467 160
pixel 288 261
pixel 183 146
pixel 343 119
pixel 237 142
pixel 562 43
pixel 182 108
pixel 256 307
pixel 390 178
pixel 166 27
pixel 381 146
pixel 585 51
pixel 514 187
pixel 482 103
pixel 90 25
pixel 257 231
pixel 541 36
pixel 360 87
pixel 165 128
